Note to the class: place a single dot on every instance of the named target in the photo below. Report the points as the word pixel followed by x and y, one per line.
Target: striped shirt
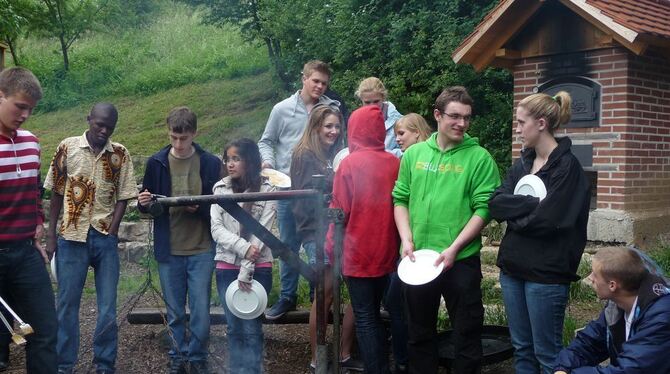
pixel 20 201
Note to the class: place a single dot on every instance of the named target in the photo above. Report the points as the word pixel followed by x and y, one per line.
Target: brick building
pixel 613 56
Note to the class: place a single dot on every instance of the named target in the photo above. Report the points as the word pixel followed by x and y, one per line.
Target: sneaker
pixel 279 309
pixel 199 367
pixel 176 366
pixel 351 364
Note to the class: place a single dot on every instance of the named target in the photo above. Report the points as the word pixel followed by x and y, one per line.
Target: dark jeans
pixel 460 287
pixel 366 297
pixel 245 336
pixel 395 304
pixel 288 276
pixel 24 279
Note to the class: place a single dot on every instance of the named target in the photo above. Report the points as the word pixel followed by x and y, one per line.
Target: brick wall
pixel 631 148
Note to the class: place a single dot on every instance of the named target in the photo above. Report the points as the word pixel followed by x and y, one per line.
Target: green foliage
pixel 661 255
pixel 174 50
pixel 408 44
pixel 579 291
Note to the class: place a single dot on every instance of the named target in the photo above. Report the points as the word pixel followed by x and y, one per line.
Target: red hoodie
pixel 362 189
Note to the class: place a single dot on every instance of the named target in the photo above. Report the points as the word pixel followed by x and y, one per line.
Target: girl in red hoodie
pixel 362 189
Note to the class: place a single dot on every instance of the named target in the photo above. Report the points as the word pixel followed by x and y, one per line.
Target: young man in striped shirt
pixel 23 276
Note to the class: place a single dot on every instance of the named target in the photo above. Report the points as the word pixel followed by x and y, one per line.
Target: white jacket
pixel 232 248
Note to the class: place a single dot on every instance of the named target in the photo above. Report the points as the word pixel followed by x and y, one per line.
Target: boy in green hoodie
pixel 441 203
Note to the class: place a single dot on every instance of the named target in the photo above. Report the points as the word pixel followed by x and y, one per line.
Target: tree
pixel 68 20
pixel 256 22
pixel 13 21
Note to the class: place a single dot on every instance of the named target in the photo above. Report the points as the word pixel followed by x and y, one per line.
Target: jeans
pixel 461 288
pixel 245 336
pixel 395 305
pixel 181 276
pixel 535 314
pixel 25 282
pixel 72 261
pixel 366 297
pixel 287 233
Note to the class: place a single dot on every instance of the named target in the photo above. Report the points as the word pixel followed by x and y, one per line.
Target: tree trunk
pixel 12 50
pixel 274 51
pixel 64 48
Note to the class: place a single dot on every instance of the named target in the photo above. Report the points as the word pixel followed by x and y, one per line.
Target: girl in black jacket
pixel 545 237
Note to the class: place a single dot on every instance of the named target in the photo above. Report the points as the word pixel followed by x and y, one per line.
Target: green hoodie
pixel 443 190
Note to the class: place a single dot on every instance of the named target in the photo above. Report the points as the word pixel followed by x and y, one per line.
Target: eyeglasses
pixel 458 117
pixel 234 159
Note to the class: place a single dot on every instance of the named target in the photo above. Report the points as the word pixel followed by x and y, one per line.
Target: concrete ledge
pixel 642 228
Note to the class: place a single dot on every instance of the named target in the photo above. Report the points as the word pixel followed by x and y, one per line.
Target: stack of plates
pixel 246 304
pixel 339 157
pixel 531 185
pixel 277 178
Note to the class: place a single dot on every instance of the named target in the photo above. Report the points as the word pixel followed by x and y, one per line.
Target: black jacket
pixel 544 240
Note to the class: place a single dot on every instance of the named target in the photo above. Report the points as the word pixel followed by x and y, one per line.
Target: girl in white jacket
pixel 240 256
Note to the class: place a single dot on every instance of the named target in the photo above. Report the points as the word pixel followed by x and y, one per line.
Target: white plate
pixel 53 267
pixel 246 305
pixel 531 185
pixel 422 270
pixel 339 157
pixel 277 178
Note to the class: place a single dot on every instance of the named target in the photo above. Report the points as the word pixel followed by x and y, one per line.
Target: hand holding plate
pixel 244 286
pixel 408 249
pixel 447 257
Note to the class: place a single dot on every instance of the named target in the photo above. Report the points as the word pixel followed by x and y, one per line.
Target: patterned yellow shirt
pixel 90 184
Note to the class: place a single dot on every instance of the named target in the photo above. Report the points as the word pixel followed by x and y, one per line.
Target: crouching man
pixel 633 330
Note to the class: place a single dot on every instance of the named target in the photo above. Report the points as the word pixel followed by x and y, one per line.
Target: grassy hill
pixel 226 109
pixel 171 60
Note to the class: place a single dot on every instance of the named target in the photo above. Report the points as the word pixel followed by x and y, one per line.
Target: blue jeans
pixel 395 305
pixel 366 297
pixel 181 276
pixel 535 314
pixel 287 233
pixel 245 336
pixel 72 261
pixel 24 279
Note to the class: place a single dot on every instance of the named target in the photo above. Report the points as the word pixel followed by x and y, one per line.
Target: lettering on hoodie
pixel 439 168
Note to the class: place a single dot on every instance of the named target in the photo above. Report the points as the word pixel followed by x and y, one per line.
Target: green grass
pixel 173 50
pixel 226 109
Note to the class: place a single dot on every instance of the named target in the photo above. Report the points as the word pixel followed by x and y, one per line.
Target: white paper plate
pixel 53 267
pixel 531 185
pixel 422 270
pixel 246 305
pixel 277 178
pixel 339 157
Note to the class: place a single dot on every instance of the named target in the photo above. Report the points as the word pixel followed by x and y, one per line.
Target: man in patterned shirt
pixel 93 178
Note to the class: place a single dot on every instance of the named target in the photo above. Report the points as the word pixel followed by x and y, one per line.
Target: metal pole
pixel 337 216
pixel 318 181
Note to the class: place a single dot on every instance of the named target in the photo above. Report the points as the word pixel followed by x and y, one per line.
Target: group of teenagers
pixel 402 188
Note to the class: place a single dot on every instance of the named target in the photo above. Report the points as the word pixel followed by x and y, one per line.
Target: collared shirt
pixel 630 317
pixel 90 184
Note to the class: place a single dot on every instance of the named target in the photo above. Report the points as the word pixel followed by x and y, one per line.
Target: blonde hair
pixel 316 65
pixel 555 109
pixel 310 138
pixel 414 123
pixel 371 85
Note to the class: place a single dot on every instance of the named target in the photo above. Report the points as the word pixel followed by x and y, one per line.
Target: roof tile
pixel 642 16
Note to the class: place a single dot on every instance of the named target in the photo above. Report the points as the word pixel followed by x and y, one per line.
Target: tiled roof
pixel 643 16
